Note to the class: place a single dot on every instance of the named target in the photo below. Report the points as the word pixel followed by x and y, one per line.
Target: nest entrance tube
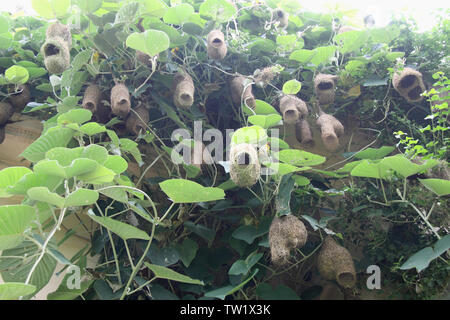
pixel 56 55
pixel 137 121
pixel 331 130
pixel 120 100
pixel 335 263
pixel 91 98
pixel 303 133
pixel 237 87
pixel 245 168
pixel 215 45
pixel 324 86
pixel 409 84
pixel 292 108
pixel 183 90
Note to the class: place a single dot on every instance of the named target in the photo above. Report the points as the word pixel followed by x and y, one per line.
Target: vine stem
pixel 44 247
pixel 139 264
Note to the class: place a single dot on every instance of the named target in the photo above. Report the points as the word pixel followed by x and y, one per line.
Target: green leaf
pixel 299 157
pixel 150 42
pixel 100 175
pixel 156 8
pixel 367 169
pixel 77 167
pixel 283 198
pixel 187 251
pixel 185 191
pixel 127 13
pixel 400 164
pixel 81 197
pixel 116 164
pixel 280 292
pixel 81 59
pixel 166 273
pixel 281 169
pixel 17 269
pixel 302 55
pixel 261 107
pixel 375 153
pixel 123 230
pixel 301 181
pixel 51 139
pixel 350 41
pixel 78 116
pixel 243 266
pixel 64 293
pixel 9 177
pixel 14 290
pixel 249 233
pixel 92 128
pixel 349 166
pixel 95 152
pixel 323 55
pixel 14 220
pixel 44 195
pixel 440 187
pixel 4 24
pixel 265 121
pixel 250 135
pixel 179 14
pixel 34 180
pixel 218 10
pixel 292 87
pixel 221 293
pixel 17 75
pixel 202 231
pixel 88 6
pixel 50 9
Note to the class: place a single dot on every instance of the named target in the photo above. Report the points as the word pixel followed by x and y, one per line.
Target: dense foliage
pixel 167 230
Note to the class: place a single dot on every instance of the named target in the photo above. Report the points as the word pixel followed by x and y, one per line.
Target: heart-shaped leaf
pixel 186 191
pixel 150 42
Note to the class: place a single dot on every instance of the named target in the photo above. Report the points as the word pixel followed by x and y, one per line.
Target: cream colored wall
pixel 19 136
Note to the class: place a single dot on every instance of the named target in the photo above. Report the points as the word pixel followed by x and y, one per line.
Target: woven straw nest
pixel 303 133
pixel 331 130
pixel 286 233
pixel 282 17
pixel 409 84
pixel 20 99
pixel 58 30
pixel 335 263
pixel 120 100
pixel 91 98
pixel 137 120
pixel 324 86
pixel 215 45
pixel 56 54
pixel 245 168
pixel 6 111
pixel 183 90
pixel 292 109
pixel 237 86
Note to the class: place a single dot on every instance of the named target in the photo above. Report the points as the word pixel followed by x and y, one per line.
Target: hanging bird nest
pixel 6 111
pixel 282 17
pixel 91 98
pixel 245 168
pixel 137 121
pixel 286 233
pixel 409 84
pixel 143 58
pixel 292 109
pixel 58 30
pixel 324 86
pixel 56 54
pixel 265 76
pixel 183 90
pixel 335 263
pixel 20 99
pixel 303 133
pixel 215 45
pixel 331 129
pixel 120 100
pixel 237 86
pixel 2 134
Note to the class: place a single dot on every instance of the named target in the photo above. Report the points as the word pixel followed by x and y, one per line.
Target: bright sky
pixel 382 10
